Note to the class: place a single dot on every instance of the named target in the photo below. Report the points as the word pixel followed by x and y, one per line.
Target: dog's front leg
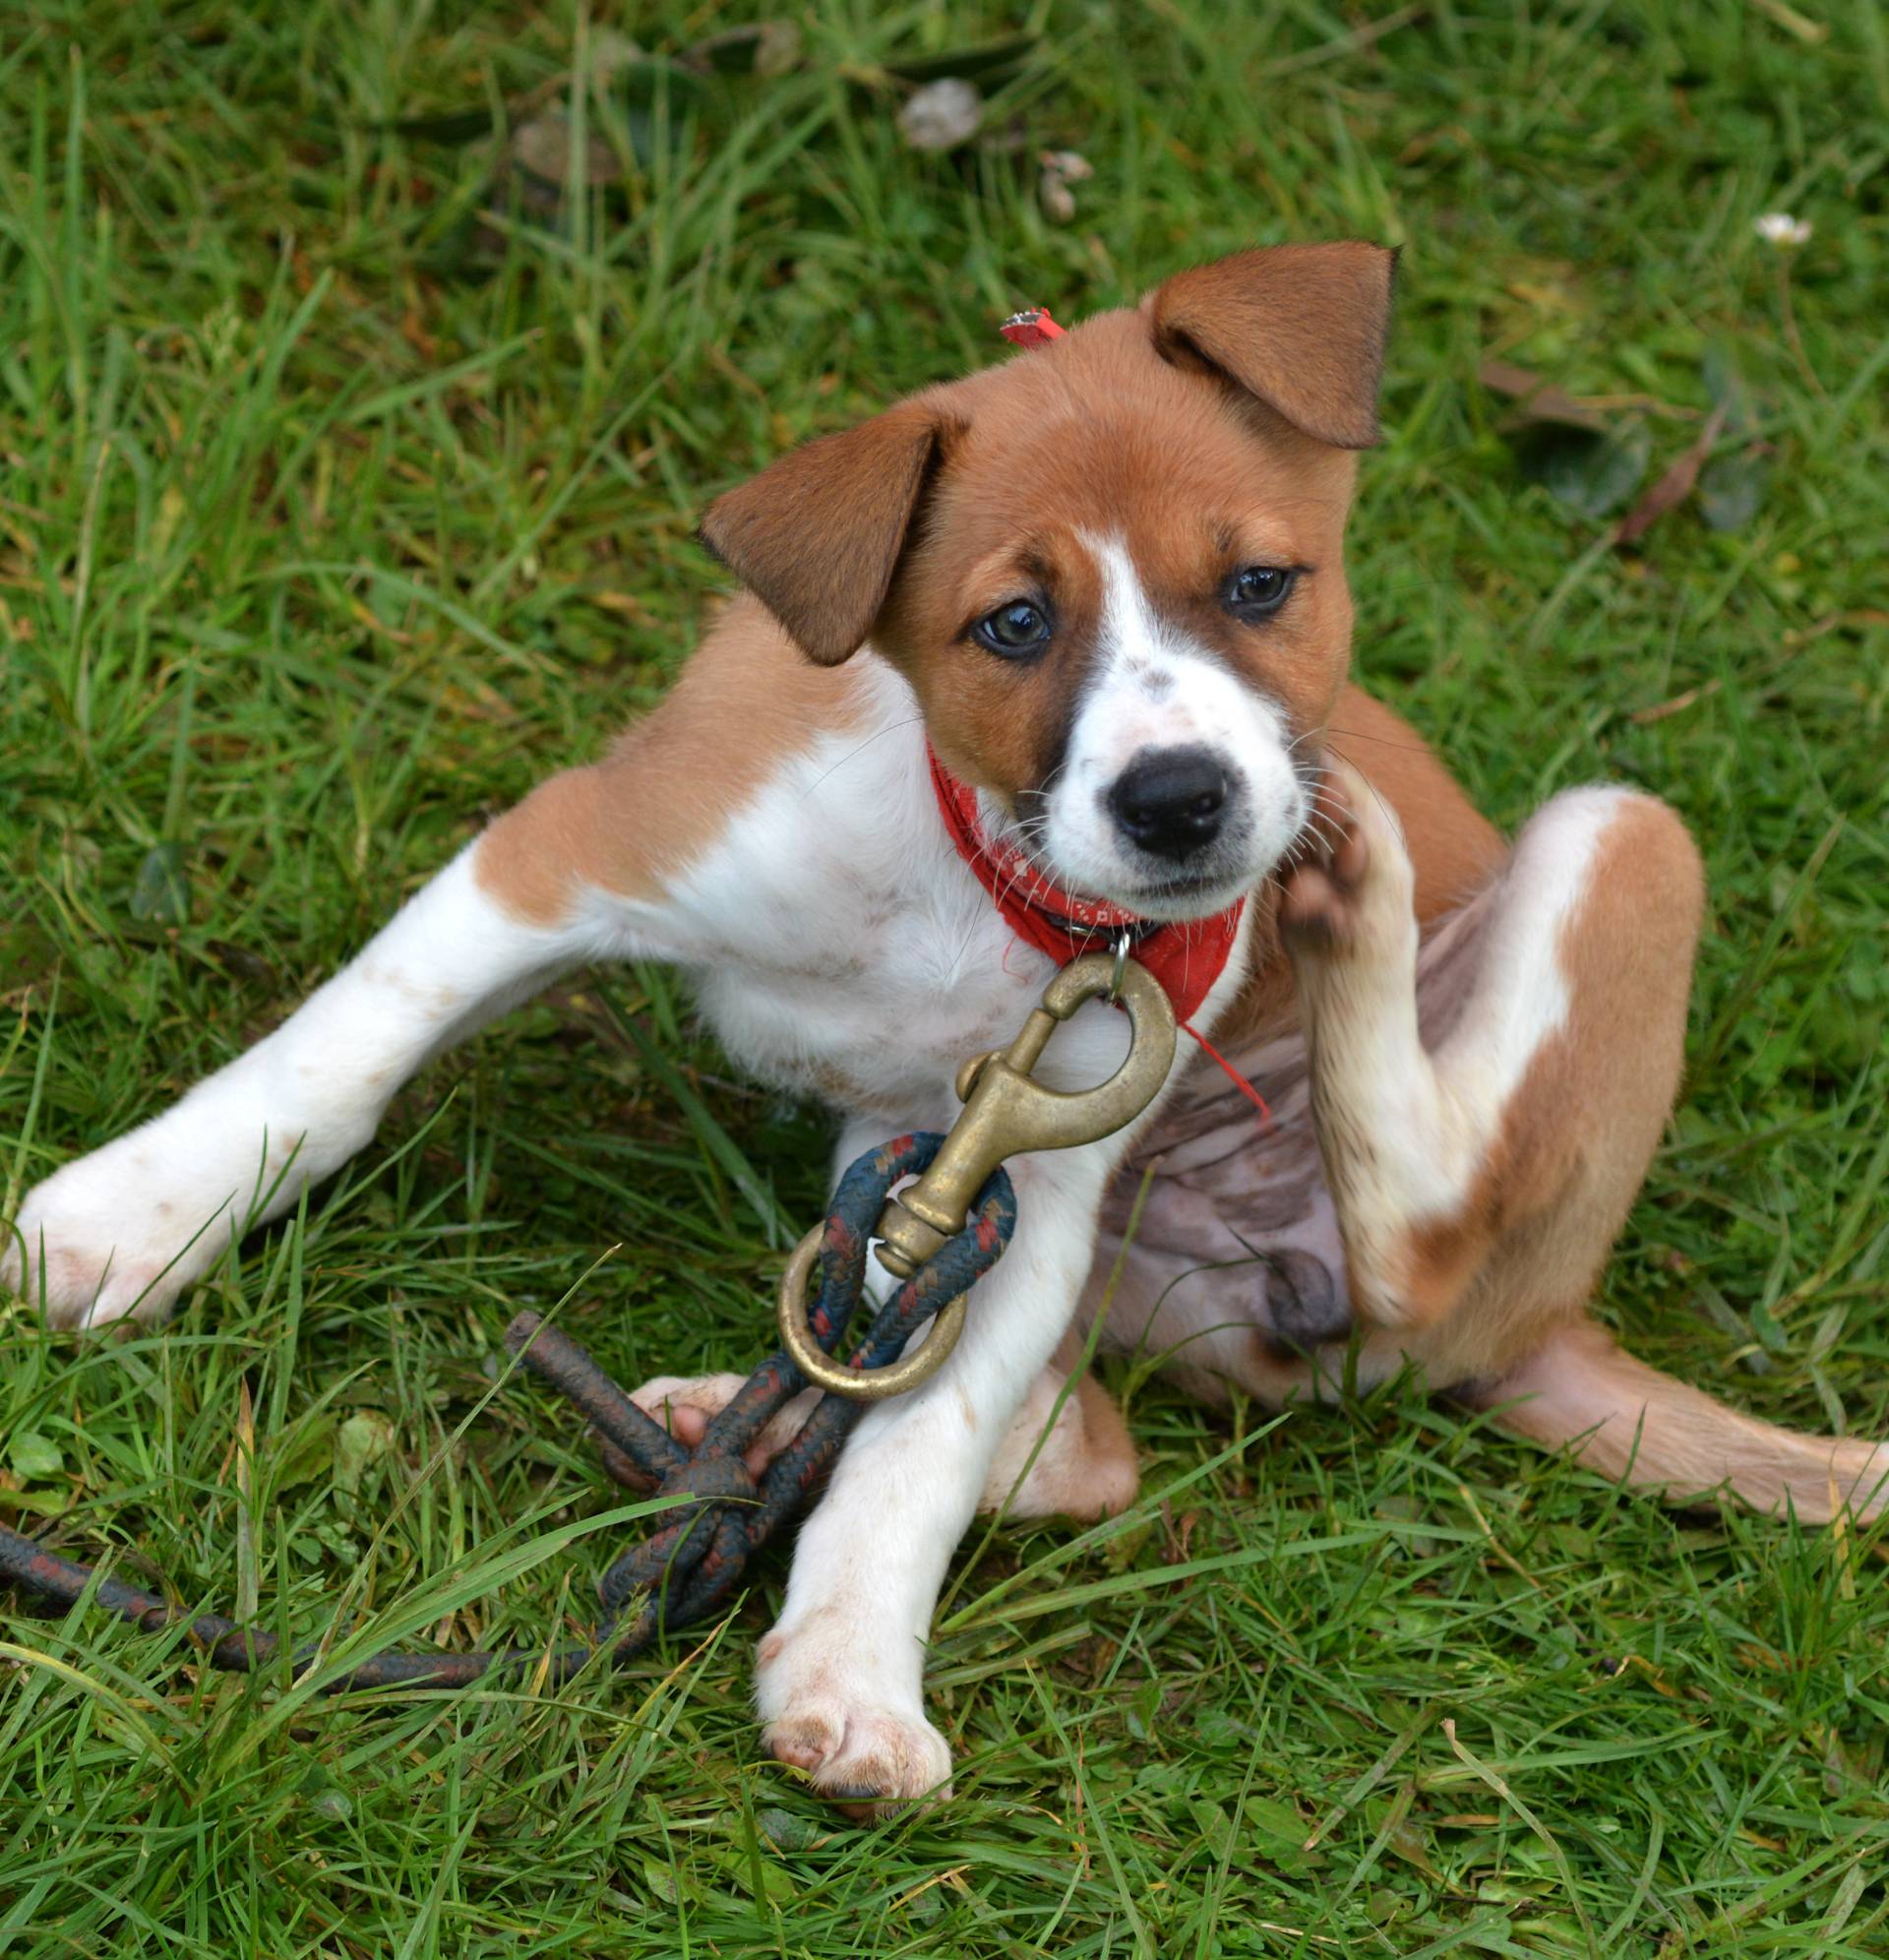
pixel 130 1226
pixel 839 1680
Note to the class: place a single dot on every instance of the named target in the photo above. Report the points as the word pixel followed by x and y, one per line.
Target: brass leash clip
pixel 1005 1111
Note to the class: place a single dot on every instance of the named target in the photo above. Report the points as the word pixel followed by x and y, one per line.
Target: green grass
pixel 342 494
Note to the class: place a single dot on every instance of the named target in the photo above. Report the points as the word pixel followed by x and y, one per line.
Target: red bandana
pixel 1186 957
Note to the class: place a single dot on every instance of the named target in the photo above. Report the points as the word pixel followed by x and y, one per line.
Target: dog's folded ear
pixel 817 536
pixel 1300 326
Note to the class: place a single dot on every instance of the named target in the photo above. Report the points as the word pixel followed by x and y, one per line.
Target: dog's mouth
pixel 1186 892
pixel 1169 897
pixel 1185 896
pixel 1172 896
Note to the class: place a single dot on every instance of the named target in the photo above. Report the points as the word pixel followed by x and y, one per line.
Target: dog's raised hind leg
pixel 1520 1129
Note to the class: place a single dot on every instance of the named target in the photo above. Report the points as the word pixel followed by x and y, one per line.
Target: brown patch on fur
pixel 1454 849
pixel 1441 1257
pixel 1302 328
pixel 668 788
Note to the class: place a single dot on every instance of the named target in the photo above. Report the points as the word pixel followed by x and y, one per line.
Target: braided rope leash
pixel 697 1555
pixel 938 1237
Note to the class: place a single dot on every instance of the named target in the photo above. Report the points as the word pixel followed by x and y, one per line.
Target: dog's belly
pixel 1235 1263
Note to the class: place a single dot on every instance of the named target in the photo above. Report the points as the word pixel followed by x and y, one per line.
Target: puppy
pixel 1103 584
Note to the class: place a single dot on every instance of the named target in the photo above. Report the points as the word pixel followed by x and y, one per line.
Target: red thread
pixel 1233 1075
pixel 1032 328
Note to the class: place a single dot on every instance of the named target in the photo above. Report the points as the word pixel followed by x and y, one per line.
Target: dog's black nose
pixel 1170 801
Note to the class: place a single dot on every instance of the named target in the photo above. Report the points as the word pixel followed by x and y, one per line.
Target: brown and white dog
pixel 1105 580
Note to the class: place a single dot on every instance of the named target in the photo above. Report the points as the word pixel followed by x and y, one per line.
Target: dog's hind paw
pixel 685 1405
pixel 1353 894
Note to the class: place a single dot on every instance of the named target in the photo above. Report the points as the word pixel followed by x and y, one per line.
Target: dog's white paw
pixel 122 1230
pixel 685 1405
pixel 858 1747
pixel 130 1227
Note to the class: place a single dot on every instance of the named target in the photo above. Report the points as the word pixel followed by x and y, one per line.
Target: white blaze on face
pixel 1154 687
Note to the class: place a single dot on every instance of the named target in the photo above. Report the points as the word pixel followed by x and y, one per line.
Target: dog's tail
pixel 1626 1420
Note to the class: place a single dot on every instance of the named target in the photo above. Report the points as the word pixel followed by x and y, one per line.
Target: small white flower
pixel 942 115
pixel 1780 229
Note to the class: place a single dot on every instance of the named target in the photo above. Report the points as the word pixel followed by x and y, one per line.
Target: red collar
pixel 1186 957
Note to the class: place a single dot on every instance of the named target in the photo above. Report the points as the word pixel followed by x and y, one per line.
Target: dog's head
pixel 1110 568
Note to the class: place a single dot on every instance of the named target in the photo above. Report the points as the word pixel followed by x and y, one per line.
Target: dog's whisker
pixel 1377 795
pixel 1384 741
pixel 877 735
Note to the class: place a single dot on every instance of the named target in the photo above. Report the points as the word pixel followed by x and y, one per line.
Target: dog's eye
pixel 1014 630
pixel 1259 590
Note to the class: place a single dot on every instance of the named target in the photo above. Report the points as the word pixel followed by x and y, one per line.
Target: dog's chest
pixel 865 992
pixel 838 946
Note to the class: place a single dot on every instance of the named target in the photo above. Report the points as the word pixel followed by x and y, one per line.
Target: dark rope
pixel 697 1555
